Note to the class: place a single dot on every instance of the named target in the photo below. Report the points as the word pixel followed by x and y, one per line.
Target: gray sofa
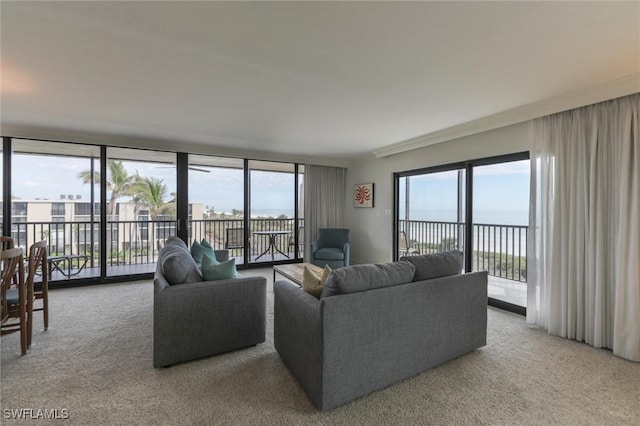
pixel 194 318
pixel 375 325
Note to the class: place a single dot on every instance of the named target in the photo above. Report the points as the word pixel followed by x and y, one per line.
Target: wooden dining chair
pixel 14 300
pixel 7 243
pixel 37 290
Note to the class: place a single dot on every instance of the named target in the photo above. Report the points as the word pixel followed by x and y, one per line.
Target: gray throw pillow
pixel 178 267
pixel 435 265
pixel 352 279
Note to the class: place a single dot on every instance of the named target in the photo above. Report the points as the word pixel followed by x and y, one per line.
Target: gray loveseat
pixel 194 318
pixel 375 325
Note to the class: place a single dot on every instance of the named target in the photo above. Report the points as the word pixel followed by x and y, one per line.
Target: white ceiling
pixel 329 79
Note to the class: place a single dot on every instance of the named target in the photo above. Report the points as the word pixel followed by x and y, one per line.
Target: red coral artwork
pixel 363 195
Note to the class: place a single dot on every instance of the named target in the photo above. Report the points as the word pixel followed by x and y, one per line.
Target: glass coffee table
pixel 294 271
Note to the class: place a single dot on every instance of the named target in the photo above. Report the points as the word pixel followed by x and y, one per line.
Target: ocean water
pixel 493 217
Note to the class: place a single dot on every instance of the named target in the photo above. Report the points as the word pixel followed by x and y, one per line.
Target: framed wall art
pixel 363 195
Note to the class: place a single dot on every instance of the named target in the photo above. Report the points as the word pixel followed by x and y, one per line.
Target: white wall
pixel 371 229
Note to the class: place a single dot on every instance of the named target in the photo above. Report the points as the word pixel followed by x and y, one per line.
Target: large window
pixel 216 203
pixel 48 180
pixel 141 208
pixel 432 215
pixel 272 211
pixel 116 207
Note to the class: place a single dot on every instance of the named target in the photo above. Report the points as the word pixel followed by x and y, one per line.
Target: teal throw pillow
pixel 199 250
pixel 208 250
pixel 212 270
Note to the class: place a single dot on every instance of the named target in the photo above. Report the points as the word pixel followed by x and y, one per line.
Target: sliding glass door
pixel 500 226
pixel 479 207
pixel 431 212
pixel 272 211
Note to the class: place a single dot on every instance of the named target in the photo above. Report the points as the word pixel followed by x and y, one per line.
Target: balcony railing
pixel 499 249
pixel 139 242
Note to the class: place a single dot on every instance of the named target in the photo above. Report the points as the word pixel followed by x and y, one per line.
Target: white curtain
pixel 584 241
pixel 324 193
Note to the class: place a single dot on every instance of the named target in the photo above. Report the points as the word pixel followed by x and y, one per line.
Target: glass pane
pixel 1 184
pixel 141 209
pixel 59 203
pixel 301 242
pixel 431 213
pixel 272 201
pixel 500 225
pixel 216 203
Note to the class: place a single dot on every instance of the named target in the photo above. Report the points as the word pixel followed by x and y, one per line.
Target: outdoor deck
pixel 514 292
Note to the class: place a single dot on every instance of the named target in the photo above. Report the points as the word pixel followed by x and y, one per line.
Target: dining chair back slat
pixel 38 290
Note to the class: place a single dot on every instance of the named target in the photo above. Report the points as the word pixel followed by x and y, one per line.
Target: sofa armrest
pixel 298 335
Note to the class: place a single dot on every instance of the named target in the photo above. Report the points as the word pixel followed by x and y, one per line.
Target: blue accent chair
pixel 331 248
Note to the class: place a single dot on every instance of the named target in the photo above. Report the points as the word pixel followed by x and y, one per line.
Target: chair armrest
pixel 347 251
pixel 314 246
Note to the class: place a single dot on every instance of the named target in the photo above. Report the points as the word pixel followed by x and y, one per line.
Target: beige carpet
pixel 95 361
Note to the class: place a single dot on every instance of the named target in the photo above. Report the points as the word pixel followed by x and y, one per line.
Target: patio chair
pixel 235 238
pixel 292 241
pixel 403 245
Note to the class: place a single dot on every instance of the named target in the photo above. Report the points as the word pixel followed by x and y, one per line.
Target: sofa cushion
pixel 352 279
pixel 314 284
pixel 329 253
pixel 175 241
pixel 436 265
pixel 178 267
pixel 171 241
pixel 213 270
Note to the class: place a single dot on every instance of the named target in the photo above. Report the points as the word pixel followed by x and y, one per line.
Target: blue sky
pixel 501 193
pixel 47 177
pixel 503 187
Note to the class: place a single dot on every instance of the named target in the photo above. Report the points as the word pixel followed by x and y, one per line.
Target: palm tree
pixel 150 193
pixel 119 182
